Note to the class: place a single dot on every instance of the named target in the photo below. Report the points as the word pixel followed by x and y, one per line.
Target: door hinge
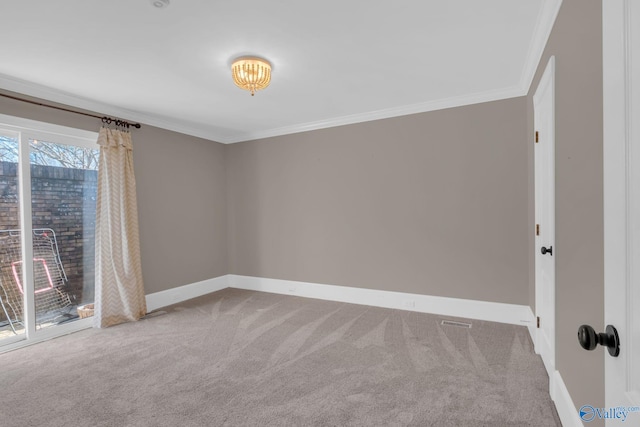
pixel 538 322
pixel 537 136
pixel 537 229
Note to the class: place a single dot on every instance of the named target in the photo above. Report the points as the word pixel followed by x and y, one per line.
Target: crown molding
pixel 441 104
pixel 544 24
pixel 53 95
pixel 42 92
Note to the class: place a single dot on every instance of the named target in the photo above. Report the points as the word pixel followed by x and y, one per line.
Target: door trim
pixel 547 82
pixel 620 181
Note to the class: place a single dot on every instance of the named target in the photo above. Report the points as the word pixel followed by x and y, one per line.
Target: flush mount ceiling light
pixel 251 73
pixel 160 4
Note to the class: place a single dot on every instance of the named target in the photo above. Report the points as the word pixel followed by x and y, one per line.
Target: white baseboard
pixel 533 329
pixel 455 307
pixel 564 404
pixel 183 293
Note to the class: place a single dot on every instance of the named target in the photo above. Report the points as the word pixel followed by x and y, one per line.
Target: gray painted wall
pixel 576 42
pixel 181 199
pixel 433 203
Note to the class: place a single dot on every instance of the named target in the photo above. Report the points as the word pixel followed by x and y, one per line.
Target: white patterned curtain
pixel 119 286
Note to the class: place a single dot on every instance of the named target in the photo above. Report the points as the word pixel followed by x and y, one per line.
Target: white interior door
pixel 621 44
pixel 545 268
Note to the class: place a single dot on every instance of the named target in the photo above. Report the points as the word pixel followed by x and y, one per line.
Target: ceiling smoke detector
pixel 160 4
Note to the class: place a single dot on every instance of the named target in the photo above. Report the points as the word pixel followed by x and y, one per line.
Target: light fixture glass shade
pixel 251 73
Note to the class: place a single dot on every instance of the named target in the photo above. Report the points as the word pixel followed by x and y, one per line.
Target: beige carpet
pixel 241 358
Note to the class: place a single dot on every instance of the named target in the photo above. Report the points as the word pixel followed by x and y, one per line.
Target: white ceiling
pixel 334 61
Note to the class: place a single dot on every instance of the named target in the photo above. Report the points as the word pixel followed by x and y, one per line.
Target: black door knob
pixel 589 339
pixel 548 250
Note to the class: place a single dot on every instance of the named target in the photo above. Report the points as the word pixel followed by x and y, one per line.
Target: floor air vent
pixel 153 314
pixel 454 323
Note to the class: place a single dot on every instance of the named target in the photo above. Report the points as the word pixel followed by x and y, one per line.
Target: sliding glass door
pixel 48 217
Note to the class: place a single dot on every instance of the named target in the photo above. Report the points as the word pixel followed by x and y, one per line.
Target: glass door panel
pixel 63 206
pixel 12 322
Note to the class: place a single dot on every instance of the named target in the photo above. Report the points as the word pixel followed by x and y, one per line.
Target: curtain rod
pixel 105 119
